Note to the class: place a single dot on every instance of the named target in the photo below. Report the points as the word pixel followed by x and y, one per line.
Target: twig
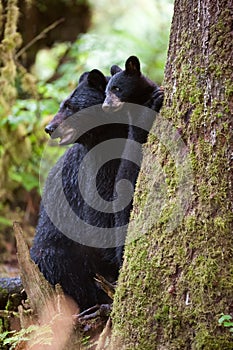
pixel 107 287
pixel 39 37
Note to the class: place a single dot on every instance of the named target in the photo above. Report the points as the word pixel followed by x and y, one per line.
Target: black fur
pixel 61 259
pixel 131 86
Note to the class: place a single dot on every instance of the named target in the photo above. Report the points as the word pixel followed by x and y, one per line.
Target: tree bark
pixel 177 278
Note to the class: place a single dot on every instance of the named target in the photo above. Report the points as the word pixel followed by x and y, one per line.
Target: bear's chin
pixel 119 107
pixel 112 109
pixel 68 137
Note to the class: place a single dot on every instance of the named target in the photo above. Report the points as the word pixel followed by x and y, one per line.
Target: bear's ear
pixel 97 79
pixel 132 65
pixel 83 77
pixel 115 69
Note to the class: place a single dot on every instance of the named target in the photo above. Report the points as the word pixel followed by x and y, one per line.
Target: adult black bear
pixel 61 259
pixel 124 92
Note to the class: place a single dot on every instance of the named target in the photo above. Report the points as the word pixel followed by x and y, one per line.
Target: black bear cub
pixel 126 90
pixel 61 259
pixel 131 86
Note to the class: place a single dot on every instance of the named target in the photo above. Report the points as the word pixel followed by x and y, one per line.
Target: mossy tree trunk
pixel 176 282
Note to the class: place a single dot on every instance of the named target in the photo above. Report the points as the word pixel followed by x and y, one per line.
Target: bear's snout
pixel 50 128
pixel 112 103
pixel 106 107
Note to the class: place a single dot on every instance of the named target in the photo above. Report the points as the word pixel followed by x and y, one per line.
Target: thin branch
pixel 39 37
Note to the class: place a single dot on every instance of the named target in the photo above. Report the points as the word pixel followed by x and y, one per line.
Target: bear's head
pixel 89 92
pixel 128 85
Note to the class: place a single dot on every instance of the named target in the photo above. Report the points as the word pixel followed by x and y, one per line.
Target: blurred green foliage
pixel 140 28
pixel 118 31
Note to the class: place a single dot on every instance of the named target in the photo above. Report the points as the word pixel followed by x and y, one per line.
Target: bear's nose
pixel 106 107
pixel 50 128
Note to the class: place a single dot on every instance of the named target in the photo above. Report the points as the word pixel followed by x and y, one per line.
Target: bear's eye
pixel 115 88
pixel 68 105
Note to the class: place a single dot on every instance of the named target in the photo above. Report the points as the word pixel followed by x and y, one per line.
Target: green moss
pixel 203 341
pixel 176 284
